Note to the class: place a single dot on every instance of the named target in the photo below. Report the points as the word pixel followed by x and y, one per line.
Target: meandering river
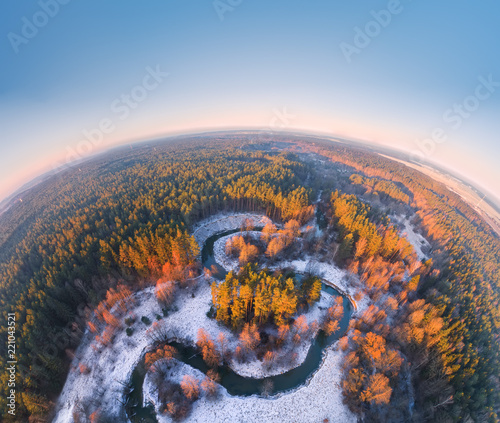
pixel 231 381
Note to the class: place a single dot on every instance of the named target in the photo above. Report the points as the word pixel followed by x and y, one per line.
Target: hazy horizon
pixel 171 137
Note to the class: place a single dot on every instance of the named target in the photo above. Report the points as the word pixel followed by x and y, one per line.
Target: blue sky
pixel 389 72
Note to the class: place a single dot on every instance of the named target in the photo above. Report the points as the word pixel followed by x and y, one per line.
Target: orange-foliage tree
pixel 190 387
pixel 260 297
pixel 155 357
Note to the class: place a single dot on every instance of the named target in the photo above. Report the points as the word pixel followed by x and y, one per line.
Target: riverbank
pixel 222 222
pixel 319 399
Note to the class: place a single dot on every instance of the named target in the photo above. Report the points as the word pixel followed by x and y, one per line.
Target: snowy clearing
pixel 319 399
pixel 107 375
pixel 414 238
pixel 220 256
pixel 341 280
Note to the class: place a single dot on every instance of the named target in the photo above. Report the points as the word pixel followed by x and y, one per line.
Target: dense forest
pixel 464 285
pixel 426 349
pixel 399 337
pixel 118 220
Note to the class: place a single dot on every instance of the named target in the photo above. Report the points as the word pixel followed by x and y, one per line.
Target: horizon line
pixel 46 174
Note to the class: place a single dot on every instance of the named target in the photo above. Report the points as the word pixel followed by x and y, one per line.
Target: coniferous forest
pixel 426 349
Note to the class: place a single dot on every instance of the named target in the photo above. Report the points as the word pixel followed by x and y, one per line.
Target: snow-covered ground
pixel 414 238
pixel 220 256
pixel 321 398
pixel 111 369
pixel 257 369
pixel 339 279
pixel 225 222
